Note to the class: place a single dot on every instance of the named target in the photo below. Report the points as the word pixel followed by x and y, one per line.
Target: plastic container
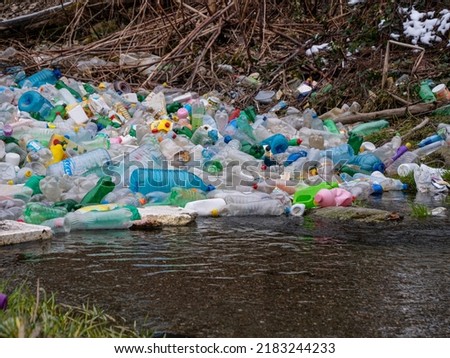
pixel 197 113
pixel 37 213
pixel 278 143
pixel 266 207
pixel 340 154
pixel 324 198
pixel 103 187
pixel 306 195
pixel 429 148
pixel 207 207
pixel 80 164
pixel 116 219
pixel 59 225
pixel 7 173
pixel 37 105
pixel 145 181
pixel 355 141
pixel 45 76
pixel 425 92
pixel 431 139
pixel 297 209
pixel 370 127
pixel 441 92
pixel 368 162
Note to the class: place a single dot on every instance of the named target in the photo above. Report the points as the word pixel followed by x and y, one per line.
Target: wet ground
pixel 257 277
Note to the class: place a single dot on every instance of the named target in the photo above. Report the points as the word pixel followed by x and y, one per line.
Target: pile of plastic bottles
pixel 75 156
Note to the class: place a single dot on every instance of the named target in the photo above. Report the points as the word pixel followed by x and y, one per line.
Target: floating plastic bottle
pixel 278 143
pixel 103 187
pixel 207 207
pixel 367 162
pixel 37 213
pixel 145 181
pixel 266 207
pixel 100 220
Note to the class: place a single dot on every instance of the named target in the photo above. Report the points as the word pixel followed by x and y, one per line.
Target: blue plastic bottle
pixel 146 181
pixel 278 143
pixel 368 162
pixel 342 153
pixel 37 105
pixel 41 78
pixel 431 139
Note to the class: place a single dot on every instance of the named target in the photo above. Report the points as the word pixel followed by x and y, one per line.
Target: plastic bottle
pixel 429 148
pixel 145 181
pixel 181 196
pixel 359 189
pixel 45 76
pixel 342 197
pixel 198 111
pixel 425 92
pixel 431 139
pixel 221 118
pixel 59 225
pixel 116 219
pixel 36 213
pixel 368 162
pixel 297 209
pixel 37 105
pixel 7 173
pixel 370 127
pixel 340 154
pixel 80 164
pixel 324 198
pixel 355 141
pixel 266 207
pixel 205 135
pixel 330 126
pixel 278 143
pixel 316 141
pixel 99 191
pixel 207 207
pixel 60 85
pixel 99 141
pixel 14 148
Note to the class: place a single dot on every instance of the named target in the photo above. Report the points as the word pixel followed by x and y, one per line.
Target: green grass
pixel 446 176
pixel 419 211
pixel 39 315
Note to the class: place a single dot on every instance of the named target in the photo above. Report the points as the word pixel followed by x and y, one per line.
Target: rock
pixel 14 232
pixel 356 213
pixel 157 216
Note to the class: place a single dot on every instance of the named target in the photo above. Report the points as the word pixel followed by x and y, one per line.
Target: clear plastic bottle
pixel 7 173
pixel 429 148
pixel 266 207
pixel 221 118
pixel 198 111
pixel 80 164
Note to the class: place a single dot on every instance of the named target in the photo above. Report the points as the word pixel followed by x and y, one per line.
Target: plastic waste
pixel 80 164
pixel 115 219
pixel 60 225
pixel 45 76
pixel 306 194
pixel 148 180
pixel 37 105
pixel 100 190
pixel 37 213
pixel 370 127
pixel 207 207
pixel 3 302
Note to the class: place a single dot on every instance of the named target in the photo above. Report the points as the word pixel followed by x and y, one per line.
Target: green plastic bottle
pixel 183 131
pixel 213 167
pixel 173 107
pixel 33 183
pixel 250 112
pixel 355 141
pixel 425 92
pixel 68 204
pixel 306 195
pixel 370 127
pixel 60 84
pixel 330 125
pixel 104 186
pixel 37 213
pixel 255 150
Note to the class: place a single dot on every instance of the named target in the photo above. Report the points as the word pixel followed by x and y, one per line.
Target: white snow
pixel 355 2
pixel 425 28
pixel 316 48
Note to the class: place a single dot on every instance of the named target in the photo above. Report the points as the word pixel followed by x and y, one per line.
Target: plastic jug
pixel 324 198
pixel 37 105
pixel 306 195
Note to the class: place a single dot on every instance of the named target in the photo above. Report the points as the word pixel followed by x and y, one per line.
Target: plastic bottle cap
pixel 404 186
pixel 214 213
pixel 379 167
pixel 227 139
pixel 377 188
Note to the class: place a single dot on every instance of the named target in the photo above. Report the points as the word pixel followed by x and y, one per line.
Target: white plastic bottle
pixel 207 207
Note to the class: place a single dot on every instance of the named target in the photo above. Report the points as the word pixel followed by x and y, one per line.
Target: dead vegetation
pixel 193 38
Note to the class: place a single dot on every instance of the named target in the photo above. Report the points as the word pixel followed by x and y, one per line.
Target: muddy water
pixel 257 277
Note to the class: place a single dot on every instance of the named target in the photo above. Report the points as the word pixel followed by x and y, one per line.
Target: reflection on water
pixel 257 277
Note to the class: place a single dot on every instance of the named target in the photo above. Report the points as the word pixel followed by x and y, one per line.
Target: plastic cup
pixel 441 92
pixel 367 147
pixel 12 158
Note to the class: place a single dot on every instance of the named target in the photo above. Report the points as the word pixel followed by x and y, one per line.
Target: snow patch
pixel 316 48
pixel 424 27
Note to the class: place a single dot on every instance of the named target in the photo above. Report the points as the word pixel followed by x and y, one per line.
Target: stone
pixel 367 215
pixel 14 232
pixel 153 217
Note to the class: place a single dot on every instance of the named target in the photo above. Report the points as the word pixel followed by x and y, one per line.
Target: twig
pixel 416 128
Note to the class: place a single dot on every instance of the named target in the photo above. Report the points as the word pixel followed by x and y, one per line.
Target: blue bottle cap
pixel 227 139
pixel 377 189
pixel 210 187
pixel 214 135
pixel 379 167
pixel 57 73
pixel 404 186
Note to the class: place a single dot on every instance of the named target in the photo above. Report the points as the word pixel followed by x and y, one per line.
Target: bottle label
pixel 33 146
pixel 68 166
